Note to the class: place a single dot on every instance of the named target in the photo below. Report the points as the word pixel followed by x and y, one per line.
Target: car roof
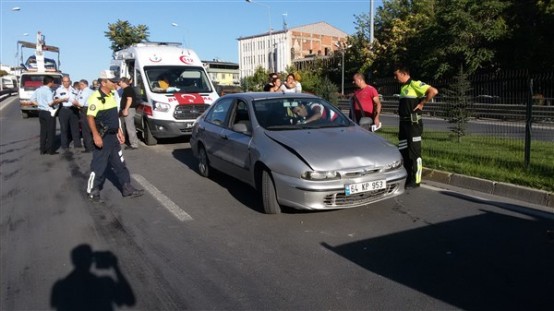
pixel 270 95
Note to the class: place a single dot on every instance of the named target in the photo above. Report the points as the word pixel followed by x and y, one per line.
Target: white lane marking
pixel 162 198
pixel 3 98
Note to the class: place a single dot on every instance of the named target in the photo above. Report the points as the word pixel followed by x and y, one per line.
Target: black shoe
pixel 130 191
pixel 53 152
pixel 411 186
pixel 95 198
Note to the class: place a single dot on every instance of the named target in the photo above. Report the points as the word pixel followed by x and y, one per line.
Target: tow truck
pixel 34 70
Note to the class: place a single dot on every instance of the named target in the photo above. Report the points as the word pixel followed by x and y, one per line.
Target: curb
pixel 529 195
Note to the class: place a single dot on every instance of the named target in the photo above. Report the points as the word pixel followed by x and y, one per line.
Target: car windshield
pixel 298 113
pixel 182 79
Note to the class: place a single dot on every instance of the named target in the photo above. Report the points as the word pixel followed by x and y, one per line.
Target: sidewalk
pixel 530 195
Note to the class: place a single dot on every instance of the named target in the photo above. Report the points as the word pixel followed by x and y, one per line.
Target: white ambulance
pixel 172 84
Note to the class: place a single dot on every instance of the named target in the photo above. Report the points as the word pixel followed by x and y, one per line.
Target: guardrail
pixel 477 110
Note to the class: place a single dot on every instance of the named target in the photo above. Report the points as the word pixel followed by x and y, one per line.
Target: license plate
pixel 365 186
pixel 189 124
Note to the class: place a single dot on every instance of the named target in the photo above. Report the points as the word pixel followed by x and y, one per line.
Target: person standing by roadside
pixel 128 107
pixel 270 85
pixel 84 93
pixel 43 98
pixel 291 85
pixel 68 115
pixel 103 119
pixel 276 82
pixel 365 101
pixel 413 97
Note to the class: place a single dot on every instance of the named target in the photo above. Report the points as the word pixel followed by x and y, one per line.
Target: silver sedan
pixel 297 150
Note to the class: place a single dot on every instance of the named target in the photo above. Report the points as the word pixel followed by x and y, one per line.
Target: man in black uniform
pixel 413 96
pixel 103 119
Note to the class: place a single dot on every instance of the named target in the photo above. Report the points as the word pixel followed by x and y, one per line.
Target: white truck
pixel 172 85
pixel 34 70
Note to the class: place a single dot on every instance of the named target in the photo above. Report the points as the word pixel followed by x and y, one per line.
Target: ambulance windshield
pixel 171 79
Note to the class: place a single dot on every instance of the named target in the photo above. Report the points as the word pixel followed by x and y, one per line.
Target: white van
pixel 9 85
pixel 172 84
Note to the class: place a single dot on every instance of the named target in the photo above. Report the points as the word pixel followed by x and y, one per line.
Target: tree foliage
pixel 458 99
pixel 435 37
pixel 256 82
pixel 122 34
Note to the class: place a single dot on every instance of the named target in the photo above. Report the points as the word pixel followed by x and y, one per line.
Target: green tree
pixel 529 45
pixel 458 101
pixel 3 73
pixel 327 90
pixel 400 25
pixel 464 34
pixel 434 37
pixel 256 82
pixel 122 34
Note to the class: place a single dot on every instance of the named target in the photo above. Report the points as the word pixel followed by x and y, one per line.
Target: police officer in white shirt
pixel 84 92
pixel 68 115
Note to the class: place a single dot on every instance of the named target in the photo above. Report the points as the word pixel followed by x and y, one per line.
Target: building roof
pixel 320 28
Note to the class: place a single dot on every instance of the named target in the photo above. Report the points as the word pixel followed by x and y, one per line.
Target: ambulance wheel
pixel 149 139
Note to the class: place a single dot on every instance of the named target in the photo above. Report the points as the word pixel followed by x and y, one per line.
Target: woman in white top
pixel 291 85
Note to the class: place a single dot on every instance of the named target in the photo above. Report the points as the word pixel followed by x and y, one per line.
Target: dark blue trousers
pixel 110 154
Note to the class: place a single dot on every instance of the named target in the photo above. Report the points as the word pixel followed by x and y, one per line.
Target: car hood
pixel 337 148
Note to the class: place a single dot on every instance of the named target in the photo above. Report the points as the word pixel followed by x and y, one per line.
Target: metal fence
pixel 503 87
pixel 497 135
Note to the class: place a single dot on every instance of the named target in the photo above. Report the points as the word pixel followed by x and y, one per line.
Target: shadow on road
pixel 484 262
pixel 84 290
pixel 242 192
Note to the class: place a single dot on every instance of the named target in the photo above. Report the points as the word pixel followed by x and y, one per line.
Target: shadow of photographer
pixel 83 290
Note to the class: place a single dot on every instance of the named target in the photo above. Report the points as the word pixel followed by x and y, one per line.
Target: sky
pixel 210 27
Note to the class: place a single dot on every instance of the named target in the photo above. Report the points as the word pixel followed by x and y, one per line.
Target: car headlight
pixel 161 107
pixel 394 165
pixel 325 175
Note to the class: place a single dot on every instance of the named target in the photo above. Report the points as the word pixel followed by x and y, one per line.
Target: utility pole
pixel 342 46
pixel 371 21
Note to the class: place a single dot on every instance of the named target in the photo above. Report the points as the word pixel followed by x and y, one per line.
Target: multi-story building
pixel 222 73
pixel 276 50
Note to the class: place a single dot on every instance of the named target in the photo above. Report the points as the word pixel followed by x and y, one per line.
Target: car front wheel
pixel 269 196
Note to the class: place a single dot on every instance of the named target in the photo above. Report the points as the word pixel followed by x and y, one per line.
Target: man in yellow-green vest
pixel 413 97
pixel 103 119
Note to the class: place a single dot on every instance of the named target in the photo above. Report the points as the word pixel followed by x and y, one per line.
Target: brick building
pixel 296 46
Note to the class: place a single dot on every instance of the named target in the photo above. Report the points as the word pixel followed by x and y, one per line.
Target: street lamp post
pixel 342 48
pixel 271 61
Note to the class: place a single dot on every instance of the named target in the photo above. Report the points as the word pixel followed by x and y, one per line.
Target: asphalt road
pixel 196 243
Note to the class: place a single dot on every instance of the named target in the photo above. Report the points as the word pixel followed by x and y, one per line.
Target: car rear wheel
pixel 203 162
pixel 269 196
